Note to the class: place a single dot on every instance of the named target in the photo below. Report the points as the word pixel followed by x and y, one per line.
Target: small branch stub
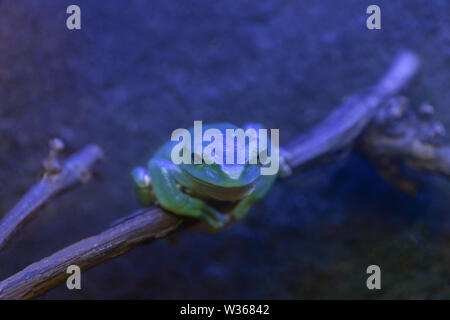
pixel 57 178
pixel 51 164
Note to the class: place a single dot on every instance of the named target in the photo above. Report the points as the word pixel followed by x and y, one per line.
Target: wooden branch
pixel 346 122
pixel 338 131
pixel 38 278
pixel 54 181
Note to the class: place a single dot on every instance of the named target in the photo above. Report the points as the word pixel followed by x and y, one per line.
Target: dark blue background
pixel 139 69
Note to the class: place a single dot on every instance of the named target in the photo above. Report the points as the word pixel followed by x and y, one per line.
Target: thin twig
pixel 346 122
pixel 75 170
pixel 336 132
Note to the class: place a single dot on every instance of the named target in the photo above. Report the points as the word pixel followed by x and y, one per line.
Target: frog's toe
pixel 242 208
pixel 213 225
pixel 223 220
pixel 143 185
pixel 216 219
pixel 220 217
pixel 239 214
pixel 141 177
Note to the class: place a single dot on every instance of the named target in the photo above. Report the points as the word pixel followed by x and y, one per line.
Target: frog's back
pixel 164 152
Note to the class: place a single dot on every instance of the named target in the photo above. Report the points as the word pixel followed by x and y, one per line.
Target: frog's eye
pixel 194 157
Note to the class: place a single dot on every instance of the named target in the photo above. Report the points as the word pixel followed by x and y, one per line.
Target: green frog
pixel 185 189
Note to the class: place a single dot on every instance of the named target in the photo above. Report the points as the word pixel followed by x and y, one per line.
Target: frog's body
pixel 186 188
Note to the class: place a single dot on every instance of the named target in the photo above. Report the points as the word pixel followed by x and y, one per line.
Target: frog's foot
pixel 196 208
pixel 214 218
pixel 262 186
pixel 143 185
pixel 242 208
pixel 165 179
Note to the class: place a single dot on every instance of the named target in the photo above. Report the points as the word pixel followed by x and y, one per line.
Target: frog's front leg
pixel 143 185
pixel 261 188
pixel 165 176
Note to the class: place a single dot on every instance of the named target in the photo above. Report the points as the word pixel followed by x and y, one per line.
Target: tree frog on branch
pixel 186 188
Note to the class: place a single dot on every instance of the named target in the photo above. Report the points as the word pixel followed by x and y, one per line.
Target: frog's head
pixel 221 173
